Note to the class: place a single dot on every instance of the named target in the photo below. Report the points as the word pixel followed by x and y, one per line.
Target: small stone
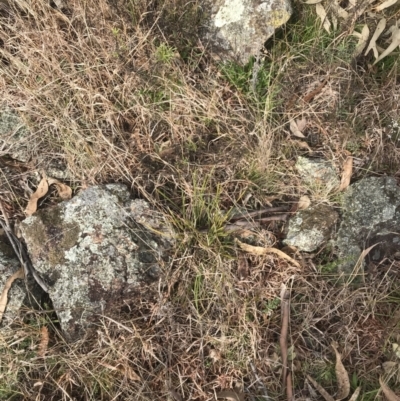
pixel 311 228
pixel 318 173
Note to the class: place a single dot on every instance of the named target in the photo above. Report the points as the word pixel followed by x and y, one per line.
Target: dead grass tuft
pixel 125 91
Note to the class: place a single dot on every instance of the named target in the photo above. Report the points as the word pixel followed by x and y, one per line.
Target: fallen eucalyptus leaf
pixel 355 394
pixel 258 250
pixel 396 349
pixel 295 129
pixel 41 191
pixel 342 376
pixel 395 43
pixel 346 174
pixel 341 12
pixel 335 21
pixel 320 10
pixel 359 262
pixel 386 4
pixel 372 44
pixel 320 389
pixel 64 191
pixel 301 123
pixel 362 42
pixel 303 145
pixel 3 297
pixel 304 202
pixel 389 394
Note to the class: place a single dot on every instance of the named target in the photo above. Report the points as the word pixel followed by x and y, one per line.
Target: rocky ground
pixel 199 227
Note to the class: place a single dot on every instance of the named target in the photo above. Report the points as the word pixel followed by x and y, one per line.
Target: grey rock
pixel 96 251
pixel 238 29
pixel 311 228
pixel 371 215
pixel 318 173
pixel 14 136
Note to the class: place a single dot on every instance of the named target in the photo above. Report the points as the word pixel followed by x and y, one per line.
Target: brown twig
pixel 289 387
pixel 244 224
pixel 284 332
pixel 258 213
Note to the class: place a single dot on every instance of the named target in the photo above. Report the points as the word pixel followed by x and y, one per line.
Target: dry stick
pixel 289 387
pixel 259 212
pixel 243 224
pixel 284 332
pixel 274 218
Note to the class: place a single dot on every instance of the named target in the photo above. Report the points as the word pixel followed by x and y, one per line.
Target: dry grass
pixel 125 91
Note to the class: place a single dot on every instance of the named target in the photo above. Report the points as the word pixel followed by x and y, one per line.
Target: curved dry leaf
pixel 396 350
pixel 320 389
pixel 301 123
pixel 3 297
pixel 341 12
pixel 342 376
pixel 303 145
pixel 346 174
pixel 362 41
pixel 355 394
pixel 230 395
pixel 389 394
pixel 41 191
pixel 64 191
pixel 44 341
pixel 335 21
pixel 258 250
pixel 392 46
pixel 386 4
pixel 304 202
pixel 295 129
pixel 320 10
pixel 372 44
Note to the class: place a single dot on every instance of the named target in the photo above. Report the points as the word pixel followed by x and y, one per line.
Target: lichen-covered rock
pixel 318 174
pixel 371 215
pixel 238 29
pixel 95 251
pixel 312 227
